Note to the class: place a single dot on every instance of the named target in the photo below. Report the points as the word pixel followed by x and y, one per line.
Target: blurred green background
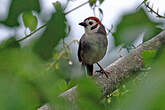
pixel 37 72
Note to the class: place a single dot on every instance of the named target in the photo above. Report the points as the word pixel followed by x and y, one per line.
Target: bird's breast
pixel 94 47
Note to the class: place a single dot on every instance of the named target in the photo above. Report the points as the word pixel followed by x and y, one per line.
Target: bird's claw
pixel 103 72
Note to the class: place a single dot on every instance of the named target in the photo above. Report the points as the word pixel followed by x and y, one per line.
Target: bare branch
pixel 32 33
pixel 121 69
pixel 153 11
pixel 77 7
pixel 125 66
pixel 141 4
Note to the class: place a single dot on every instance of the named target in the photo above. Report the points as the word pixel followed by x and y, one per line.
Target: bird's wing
pixel 80 48
pixel 102 30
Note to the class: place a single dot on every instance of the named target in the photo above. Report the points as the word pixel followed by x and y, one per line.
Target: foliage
pixel 19 6
pixel 55 31
pixel 16 72
pixel 89 95
pixel 148 56
pixel 38 73
pixel 9 43
pixel 30 21
pixel 146 93
pixel 132 25
pixel 92 2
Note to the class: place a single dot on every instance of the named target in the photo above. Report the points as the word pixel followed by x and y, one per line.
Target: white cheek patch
pixel 89 29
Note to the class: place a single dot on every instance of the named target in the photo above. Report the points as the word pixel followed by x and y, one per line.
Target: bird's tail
pixel 83 69
pixel 89 69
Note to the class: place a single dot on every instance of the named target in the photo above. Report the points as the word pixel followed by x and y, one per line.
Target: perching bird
pixel 93 44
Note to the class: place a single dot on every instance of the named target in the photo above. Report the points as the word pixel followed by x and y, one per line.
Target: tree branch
pixel 124 66
pixel 153 11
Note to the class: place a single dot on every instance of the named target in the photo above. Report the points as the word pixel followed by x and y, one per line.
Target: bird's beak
pixel 83 24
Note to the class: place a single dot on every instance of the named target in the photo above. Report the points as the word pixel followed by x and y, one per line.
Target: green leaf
pixel 101 1
pixel 71 84
pixel 62 85
pixel 101 11
pixel 9 43
pixel 57 5
pixel 30 21
pixel 150 94
pixel 55 31
pixel 15 92
pixel 17 73
pixel 91 2
pixel 132 25
pixel 89 95
pixel 148 57
pixel 116 92
pixel 19 6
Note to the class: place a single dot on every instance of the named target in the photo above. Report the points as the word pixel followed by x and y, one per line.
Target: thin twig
pixel 61 54
pixel 32 33
pixel 46 24
pixel 141 4
pixel 76 7
pixel 153 11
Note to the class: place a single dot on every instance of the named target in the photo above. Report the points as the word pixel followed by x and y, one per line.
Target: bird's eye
pixel 90 23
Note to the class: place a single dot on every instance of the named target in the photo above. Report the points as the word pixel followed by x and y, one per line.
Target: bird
pixel 92 45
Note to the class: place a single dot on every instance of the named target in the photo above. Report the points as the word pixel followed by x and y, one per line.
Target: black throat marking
pixel 93 27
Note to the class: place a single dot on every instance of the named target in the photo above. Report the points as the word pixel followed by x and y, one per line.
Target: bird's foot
pixel 103 72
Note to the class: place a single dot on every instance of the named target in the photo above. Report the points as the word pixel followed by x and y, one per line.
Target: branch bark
pixel 122 68
pixel 127 65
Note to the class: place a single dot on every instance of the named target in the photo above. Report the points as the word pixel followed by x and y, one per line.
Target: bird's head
pixel 91 25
